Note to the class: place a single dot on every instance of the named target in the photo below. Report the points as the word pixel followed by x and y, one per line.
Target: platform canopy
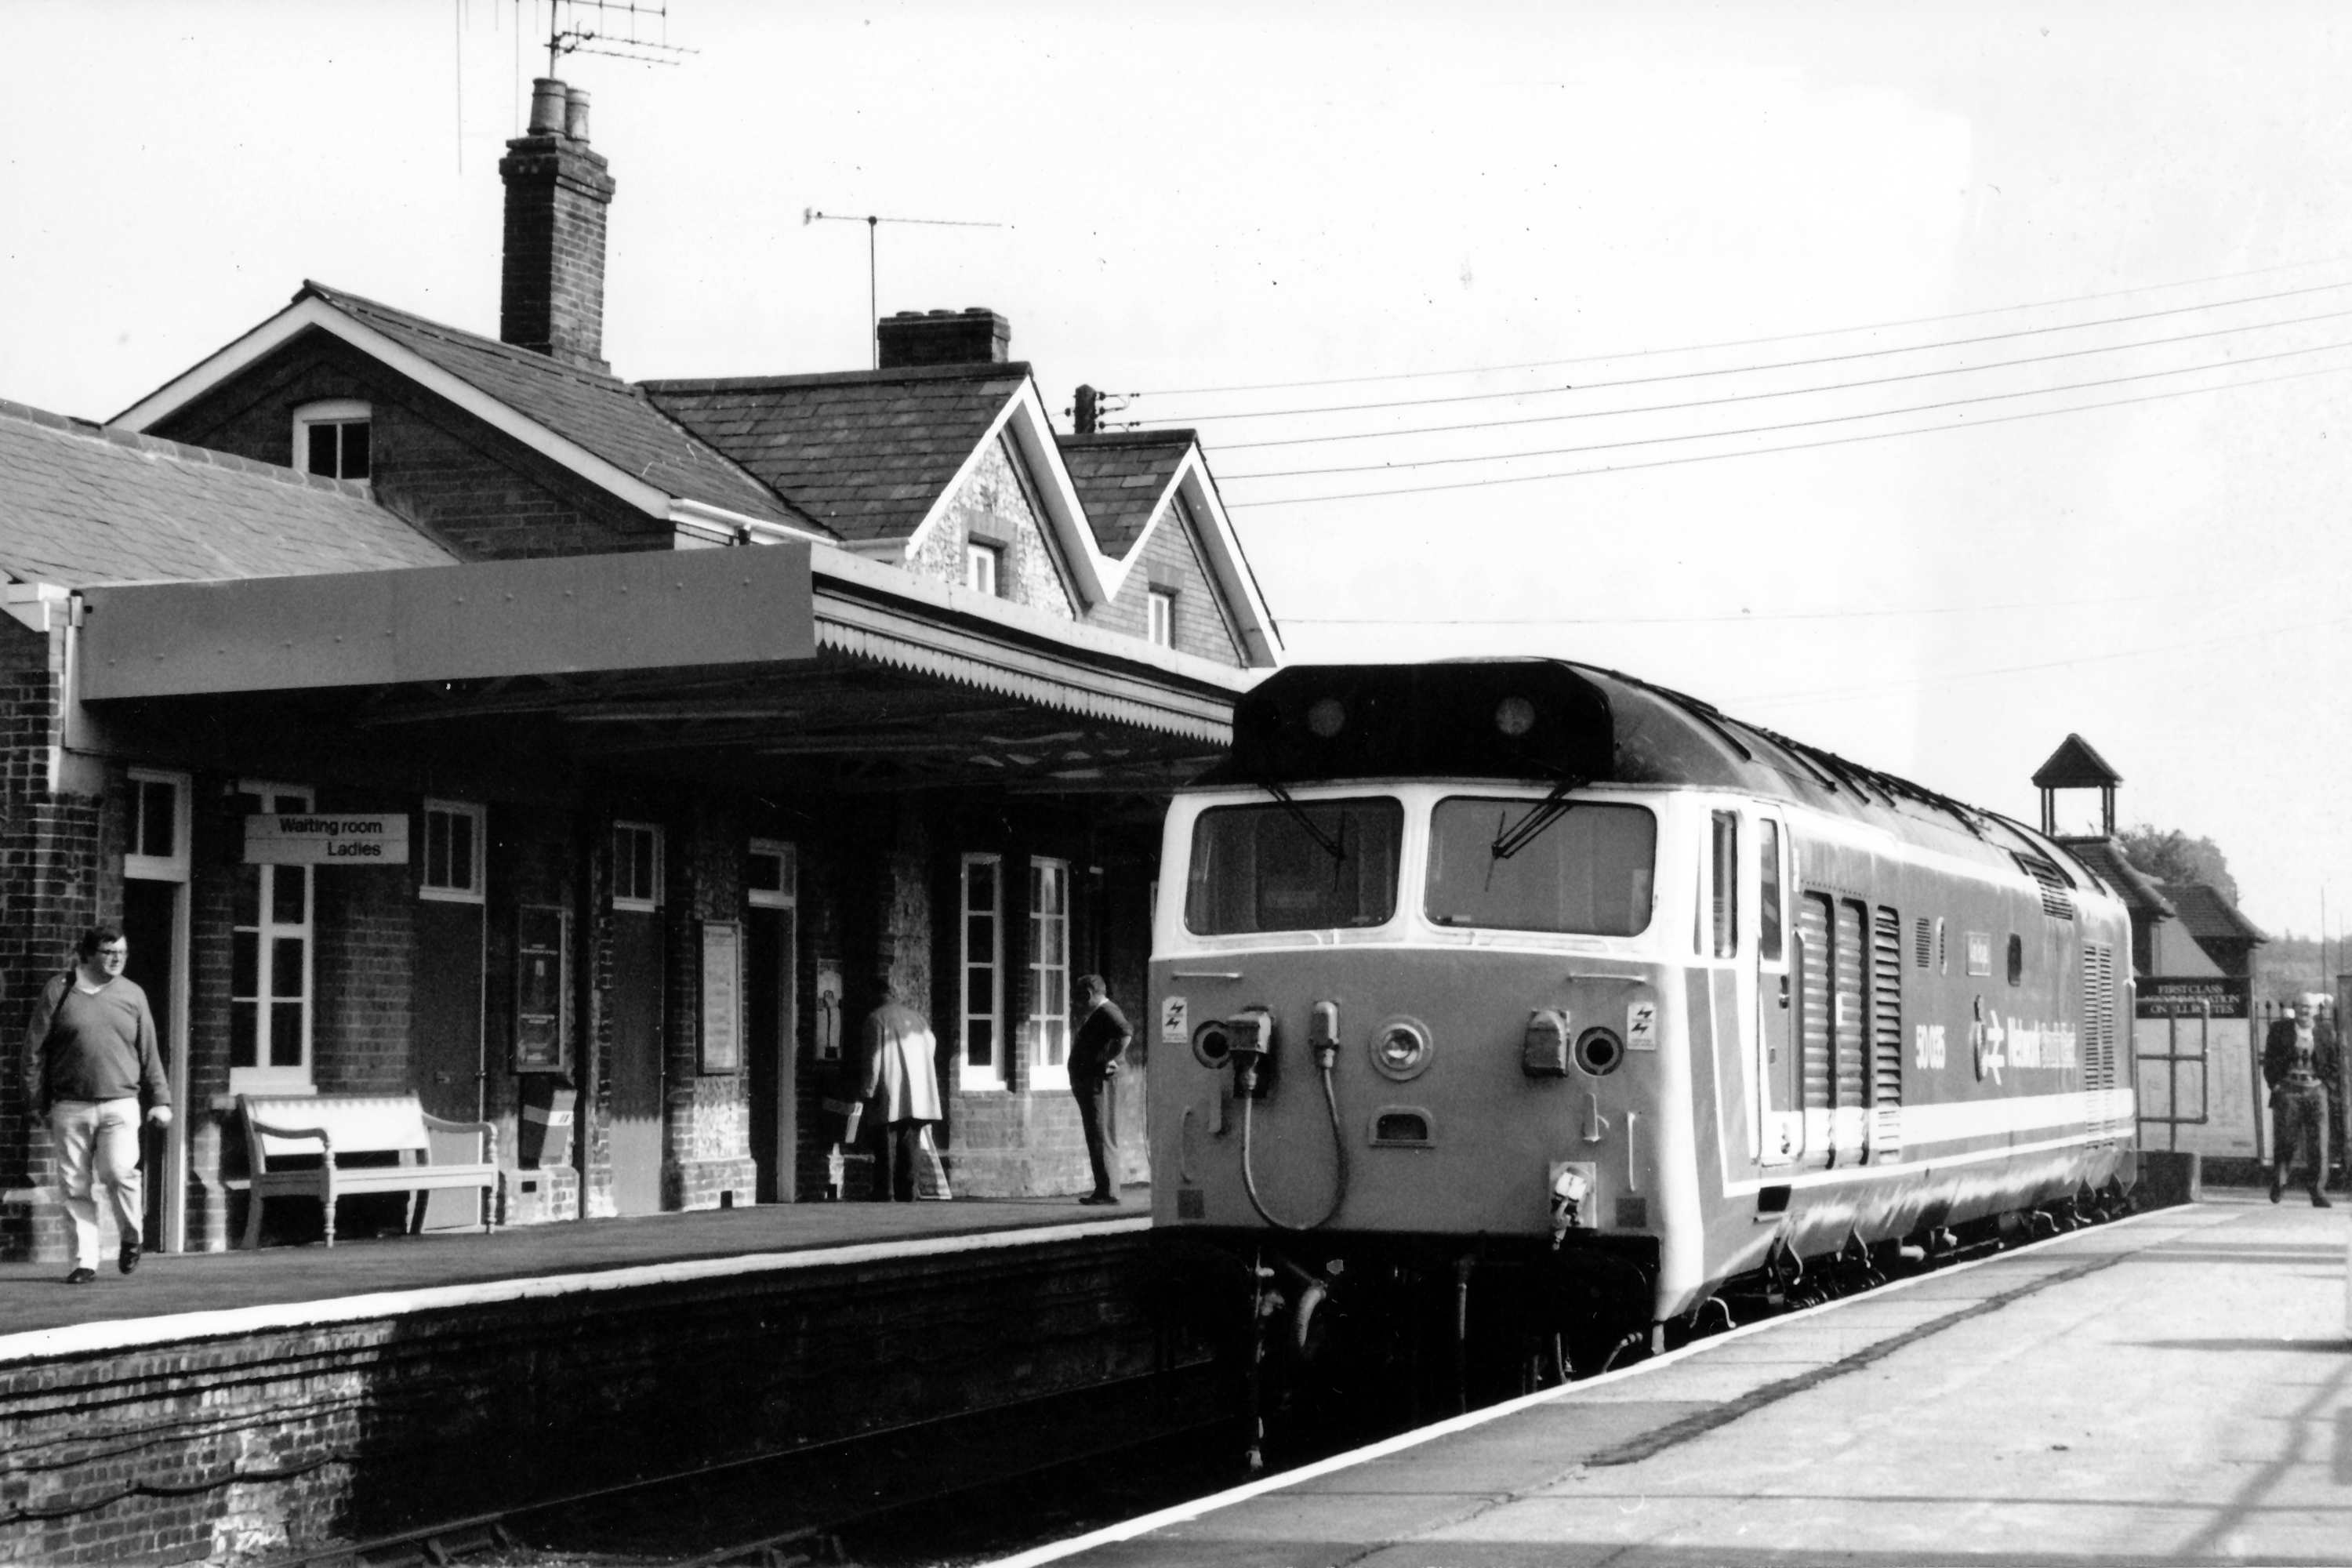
pixel 2077 766
pixel 746 663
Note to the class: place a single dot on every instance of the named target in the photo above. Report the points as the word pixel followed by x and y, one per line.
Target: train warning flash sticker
pixel 1642 1026
pixel 1172 1021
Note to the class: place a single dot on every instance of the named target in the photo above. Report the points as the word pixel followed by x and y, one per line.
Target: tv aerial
pixel 873 222
pixel 625 29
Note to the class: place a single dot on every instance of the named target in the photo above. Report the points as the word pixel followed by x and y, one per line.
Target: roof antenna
pixel 616 28
pixel 871 222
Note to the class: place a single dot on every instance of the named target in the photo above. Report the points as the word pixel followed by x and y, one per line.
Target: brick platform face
pixel 239 1449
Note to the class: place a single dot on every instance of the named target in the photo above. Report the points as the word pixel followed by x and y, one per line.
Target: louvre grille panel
pixel 1886 1036
pixel 1848 1019
pixel 1925 941
pixel 1813 929
pixel 2057 902
pixel 2098 1016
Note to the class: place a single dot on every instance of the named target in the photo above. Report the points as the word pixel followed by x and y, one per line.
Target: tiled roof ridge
pixel 343 298
pixel 181 451
pixel 1174 437
pixel 1007 370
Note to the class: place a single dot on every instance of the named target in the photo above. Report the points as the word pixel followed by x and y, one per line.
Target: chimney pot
pixel 546 99
pixel 575 114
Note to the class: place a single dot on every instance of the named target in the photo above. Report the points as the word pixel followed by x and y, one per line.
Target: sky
pixel 1927 383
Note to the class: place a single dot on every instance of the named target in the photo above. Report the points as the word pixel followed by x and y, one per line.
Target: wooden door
pixel 771 1057
pixel 445 1041
pixel 636 1142
pixel 149 924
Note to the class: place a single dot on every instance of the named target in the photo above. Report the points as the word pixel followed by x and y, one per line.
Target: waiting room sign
pixel 325 839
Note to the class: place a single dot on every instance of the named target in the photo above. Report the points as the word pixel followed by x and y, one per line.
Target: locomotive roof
pixel 1550 722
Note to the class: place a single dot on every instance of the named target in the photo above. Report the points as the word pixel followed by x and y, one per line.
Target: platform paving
pixel 2177 1388
pixel 167 1286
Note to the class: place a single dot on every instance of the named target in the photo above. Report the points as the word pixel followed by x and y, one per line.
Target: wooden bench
pixel 285 1132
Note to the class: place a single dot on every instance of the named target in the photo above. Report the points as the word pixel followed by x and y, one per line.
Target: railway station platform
pixel 250 1407
pixel 2176 1387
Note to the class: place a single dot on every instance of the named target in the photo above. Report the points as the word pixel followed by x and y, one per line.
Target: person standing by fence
pixel 2299 1064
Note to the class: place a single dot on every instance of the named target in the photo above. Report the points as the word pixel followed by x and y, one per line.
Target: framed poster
pixel 542 974
pixel 722 995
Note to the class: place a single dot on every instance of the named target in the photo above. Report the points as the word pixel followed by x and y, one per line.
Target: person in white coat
pixel 900 1087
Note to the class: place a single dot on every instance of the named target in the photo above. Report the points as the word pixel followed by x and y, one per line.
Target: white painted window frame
pixel 787 894
pixel 1049 983
pixel 991 1075
pixel 633 903
pixel 172 868
pixel 984 561
pixel 1160 617
pixel 262 1078
pixel 333 411
pixel 480 816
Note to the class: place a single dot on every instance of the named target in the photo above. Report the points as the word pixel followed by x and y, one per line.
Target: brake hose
pixel 1338 1150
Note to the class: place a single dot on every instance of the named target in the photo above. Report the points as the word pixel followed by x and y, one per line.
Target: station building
pixel 444 714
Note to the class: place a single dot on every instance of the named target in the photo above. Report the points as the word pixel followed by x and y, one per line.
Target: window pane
pixel 242 1040
pixel 159 818
pixel 355 451
pixel 1588 872
pixel 461 850
pixel 767 874
pixel 1054 1042
pixel 645 876
pixel 980 989
pixel 286 966
pixel 436 848
pixel 244 964
pixel 286 1035
pixel 321 455
pixel 1258 868
pixel 1726 884
pixel 980 1042
pixel 291 803
pixel 245 896
pixel 1768 865
pixel 981 885
pixel 290 888
pixel 978 938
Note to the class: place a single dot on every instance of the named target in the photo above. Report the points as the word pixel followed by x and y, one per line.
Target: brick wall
pixel 245 1448
pixel 1170 559
pixel 707 1135
pixel 552 279
pixel 997 503
pixel 50 891
pixel 483 493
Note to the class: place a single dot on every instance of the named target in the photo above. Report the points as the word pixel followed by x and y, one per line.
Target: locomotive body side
pixel 1632 994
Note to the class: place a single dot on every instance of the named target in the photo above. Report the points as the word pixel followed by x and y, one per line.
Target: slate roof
pixel 863 452
pixel 2139 892
pixel 1120 477
pixel 602 413
pixel 2207 915
pixel 82 503
pixel 2075 765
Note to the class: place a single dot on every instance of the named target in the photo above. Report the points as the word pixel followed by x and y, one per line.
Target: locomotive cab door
pixel 1780 1100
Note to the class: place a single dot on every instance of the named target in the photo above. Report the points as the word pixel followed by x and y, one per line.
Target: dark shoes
pixel 2278 1190
pixel 2319 1200
pixel 128 1257
pixel 82 1276
pixel 1092 1199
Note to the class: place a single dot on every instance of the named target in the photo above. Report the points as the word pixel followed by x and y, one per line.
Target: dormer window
pixel 1160 617
pixel 331 439
pixel 983 567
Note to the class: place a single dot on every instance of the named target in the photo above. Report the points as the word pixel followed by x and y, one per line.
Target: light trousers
pixel 97 1146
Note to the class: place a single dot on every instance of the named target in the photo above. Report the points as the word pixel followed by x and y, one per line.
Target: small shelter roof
pixel 2075 765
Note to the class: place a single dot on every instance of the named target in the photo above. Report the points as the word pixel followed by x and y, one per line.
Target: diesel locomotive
pixel 1529 1003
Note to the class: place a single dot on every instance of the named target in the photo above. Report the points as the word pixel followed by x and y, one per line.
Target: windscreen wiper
pixel 1531 828
pixel 1328 845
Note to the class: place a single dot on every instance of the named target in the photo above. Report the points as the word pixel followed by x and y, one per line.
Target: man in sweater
pixel 2299 1064
pixel 89 1056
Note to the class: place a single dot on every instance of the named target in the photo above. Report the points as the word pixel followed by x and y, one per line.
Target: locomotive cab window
pixel 1294 865
pixel 1587 873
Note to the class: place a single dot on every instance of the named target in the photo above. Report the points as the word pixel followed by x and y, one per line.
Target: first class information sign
pixel 326 839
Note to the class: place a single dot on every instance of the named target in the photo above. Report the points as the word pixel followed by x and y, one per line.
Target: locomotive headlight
pixel 1514 716
pixel 1402 1049
pixel 1326 717
pixel 1212 1044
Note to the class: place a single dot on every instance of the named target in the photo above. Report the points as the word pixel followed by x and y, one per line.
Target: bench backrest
pixel 359 1123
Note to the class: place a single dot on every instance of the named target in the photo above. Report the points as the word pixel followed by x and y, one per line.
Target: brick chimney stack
pixel 975 336
pixel 551 279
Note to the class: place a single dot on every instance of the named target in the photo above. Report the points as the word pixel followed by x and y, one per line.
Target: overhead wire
pixel 1815 423
pixel 1785 392
pixel 1742 342
pixel 1795 446
pixel 1751 369
pixel 1741 616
